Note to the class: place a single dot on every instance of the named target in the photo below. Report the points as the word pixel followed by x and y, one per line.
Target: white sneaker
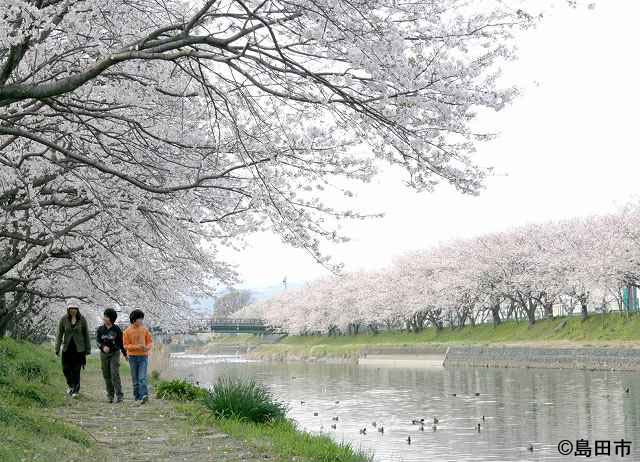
pixel 69 391
pixel 75 395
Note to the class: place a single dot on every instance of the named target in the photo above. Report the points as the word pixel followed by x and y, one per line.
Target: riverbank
pixel 31 386
pixel 38 422
pixel 601 342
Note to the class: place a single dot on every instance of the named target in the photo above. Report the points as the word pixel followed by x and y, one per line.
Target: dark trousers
pixel 111 372
pixel 138 366
pixel 72 362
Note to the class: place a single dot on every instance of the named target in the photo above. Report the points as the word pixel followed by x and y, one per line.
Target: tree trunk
pixel 3 328
pixel 584 312
pixel 495 313
pixel 531 312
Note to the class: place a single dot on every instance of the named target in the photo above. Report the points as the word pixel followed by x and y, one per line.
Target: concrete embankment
pixel 605 357
pixel 576 357
pixel 342 354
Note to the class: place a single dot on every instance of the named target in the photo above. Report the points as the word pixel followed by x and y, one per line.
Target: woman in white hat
pixel 73 337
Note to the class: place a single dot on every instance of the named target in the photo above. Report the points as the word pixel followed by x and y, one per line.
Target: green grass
pixel 31 383
pixel 178 390
pixel 248 412
pixel 280 438
pixel 244 400
pixel 597 329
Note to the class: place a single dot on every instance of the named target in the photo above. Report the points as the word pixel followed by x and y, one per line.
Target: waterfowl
pixel 421 427
pixel 453 394
pixel 435 420
pixel 333 426
pixel 408 439
pixel 417 422
pixel 374 424
pixel 301 402
pixel 530 448
pixel 315 414
pixel 477 394
pixel 483 418
pixel 478 427
pixel 380 429
pixel 434 428
pixel 337 402
pixel 626 390
pixel 335 419
pixel 363 431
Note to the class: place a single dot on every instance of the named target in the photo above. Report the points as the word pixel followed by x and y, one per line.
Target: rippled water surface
pixel 520 407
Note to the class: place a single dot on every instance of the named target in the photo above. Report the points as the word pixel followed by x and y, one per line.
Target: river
pixel 521 407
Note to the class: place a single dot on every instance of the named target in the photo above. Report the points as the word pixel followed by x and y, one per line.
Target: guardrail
pixel 229 325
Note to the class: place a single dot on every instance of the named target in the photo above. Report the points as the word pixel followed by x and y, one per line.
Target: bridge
pixel 230 325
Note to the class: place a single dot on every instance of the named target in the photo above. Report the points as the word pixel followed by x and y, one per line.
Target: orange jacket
pixel 135 338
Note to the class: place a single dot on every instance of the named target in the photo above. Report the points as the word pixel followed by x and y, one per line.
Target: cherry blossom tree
pixel 527 270
pixel 138 135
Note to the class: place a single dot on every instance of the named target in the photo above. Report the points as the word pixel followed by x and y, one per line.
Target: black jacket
pixel 110 337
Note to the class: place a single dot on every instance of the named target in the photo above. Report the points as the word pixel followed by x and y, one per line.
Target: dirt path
pixel 152 432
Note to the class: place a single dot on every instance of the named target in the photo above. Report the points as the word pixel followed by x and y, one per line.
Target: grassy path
pixel 153 432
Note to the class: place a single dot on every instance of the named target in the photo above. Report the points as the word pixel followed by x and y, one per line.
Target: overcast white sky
pixel 567 147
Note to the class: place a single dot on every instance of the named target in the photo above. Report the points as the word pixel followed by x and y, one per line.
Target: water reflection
pixel 520 407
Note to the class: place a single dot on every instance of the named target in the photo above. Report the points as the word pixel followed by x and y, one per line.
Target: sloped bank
pixel 547 357
pixel 351 353
pixel 603 341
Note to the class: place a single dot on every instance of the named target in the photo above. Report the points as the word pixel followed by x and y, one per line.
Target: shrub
pixel 179 390
pixel 31 393
pixel 8 350
pixel 31 371
pixel 155 376
pixel 4 373
pixel 244 400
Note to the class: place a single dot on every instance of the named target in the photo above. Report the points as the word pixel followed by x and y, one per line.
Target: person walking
pixel 109 339
pixel 73 338
pixel 137 341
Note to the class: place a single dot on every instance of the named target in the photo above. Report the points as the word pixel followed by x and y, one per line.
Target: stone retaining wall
pixel 594 358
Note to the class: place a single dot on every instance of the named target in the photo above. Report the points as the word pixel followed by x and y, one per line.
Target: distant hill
pixel 265 293
pixel 205 305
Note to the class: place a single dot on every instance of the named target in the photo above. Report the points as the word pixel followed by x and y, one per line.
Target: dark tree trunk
pixel 495 313
pixel 584 312
pixel 3 315
pixel 531 308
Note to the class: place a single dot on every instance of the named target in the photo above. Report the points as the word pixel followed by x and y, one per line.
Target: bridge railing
pixel 217 323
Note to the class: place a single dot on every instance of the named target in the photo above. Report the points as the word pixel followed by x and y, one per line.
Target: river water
pixel 521 407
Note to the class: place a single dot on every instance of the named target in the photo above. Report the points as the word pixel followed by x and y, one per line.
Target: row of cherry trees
pixel 582 264
pixel 138 138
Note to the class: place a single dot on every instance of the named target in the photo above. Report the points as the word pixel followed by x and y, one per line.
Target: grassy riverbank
pixel 31 385
pixel 609 329
pixel 247 411
pixel 38 422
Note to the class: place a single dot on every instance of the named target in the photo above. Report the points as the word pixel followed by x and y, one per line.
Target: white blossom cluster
pixel 139 137
pixel 582 264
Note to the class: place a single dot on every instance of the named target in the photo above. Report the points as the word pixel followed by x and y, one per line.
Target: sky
pixel 566 147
